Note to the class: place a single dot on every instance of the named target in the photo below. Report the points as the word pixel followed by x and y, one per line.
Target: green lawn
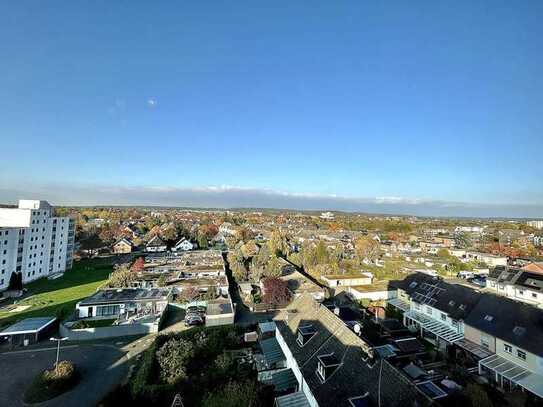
pixel 58 297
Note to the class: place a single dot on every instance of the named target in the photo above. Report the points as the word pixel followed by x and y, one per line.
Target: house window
pixel 326 366
pixel 443 317
pixel 521 292
pixel 534 295
pixel 521 355
pixel 507 348
pixel 320 371
pixel 485 342
pixel 429 310
pixel 106 310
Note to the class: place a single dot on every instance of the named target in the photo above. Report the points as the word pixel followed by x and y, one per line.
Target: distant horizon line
pixel 273 209
pixel 244 198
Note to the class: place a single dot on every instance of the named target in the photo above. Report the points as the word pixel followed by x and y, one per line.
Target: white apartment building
pixel 538 224
pixel 34 242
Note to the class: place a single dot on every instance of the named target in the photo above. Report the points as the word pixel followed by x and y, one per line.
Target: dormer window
pixel 413 284
pixel 326 366
pixel 489 318
pixel 305 333
pixel 462 307
pixel 451 303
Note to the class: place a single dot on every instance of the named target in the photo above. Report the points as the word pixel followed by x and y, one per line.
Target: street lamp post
pixel 58 350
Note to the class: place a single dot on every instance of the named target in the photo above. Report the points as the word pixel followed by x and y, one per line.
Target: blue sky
pixel 423 101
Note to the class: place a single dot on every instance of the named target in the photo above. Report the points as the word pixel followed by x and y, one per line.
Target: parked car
pixel 194 320
pixel 465 274
pixel 480 281
pixel 199 310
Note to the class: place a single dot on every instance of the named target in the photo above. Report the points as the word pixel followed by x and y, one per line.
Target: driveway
pixel 102 366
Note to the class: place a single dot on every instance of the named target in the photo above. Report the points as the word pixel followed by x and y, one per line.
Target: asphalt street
pixel 102 366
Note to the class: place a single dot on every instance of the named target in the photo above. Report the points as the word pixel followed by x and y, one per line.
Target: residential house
pixel 435 308
pixel 227 229
pixel 155 245
pixel 489 259
pixel 125 303
pixel 183 245
pixel 333 365
pixel 512 333
pixel 339 280
pixel 123 246
pixel 327 216
pixel 379 291
pixel 517 284
pixel 131 231
pixel 469 229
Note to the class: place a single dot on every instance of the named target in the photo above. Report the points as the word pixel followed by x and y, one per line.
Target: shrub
pixel 234 394
pixel 52 383
pixel 172 357
pixel 64 370
pixel 224 363
pixel 276 291
pixel 477 396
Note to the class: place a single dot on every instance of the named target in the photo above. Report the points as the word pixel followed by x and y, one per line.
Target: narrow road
pixel 101 368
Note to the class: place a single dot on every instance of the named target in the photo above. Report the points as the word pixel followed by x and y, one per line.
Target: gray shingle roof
pixel 357 372
pixel 506 315
pixel 456 300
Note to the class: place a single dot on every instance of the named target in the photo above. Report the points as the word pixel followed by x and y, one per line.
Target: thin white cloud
pixel 230 196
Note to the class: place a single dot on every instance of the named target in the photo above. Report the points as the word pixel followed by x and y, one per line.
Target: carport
pixel 29 331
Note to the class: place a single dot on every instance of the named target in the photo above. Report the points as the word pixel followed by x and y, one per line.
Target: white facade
pixel 520 293
pixel 487 258
pixel 538 224
pixel 33 242
pixel 183 245
pixel 327 216
pixel 469 229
